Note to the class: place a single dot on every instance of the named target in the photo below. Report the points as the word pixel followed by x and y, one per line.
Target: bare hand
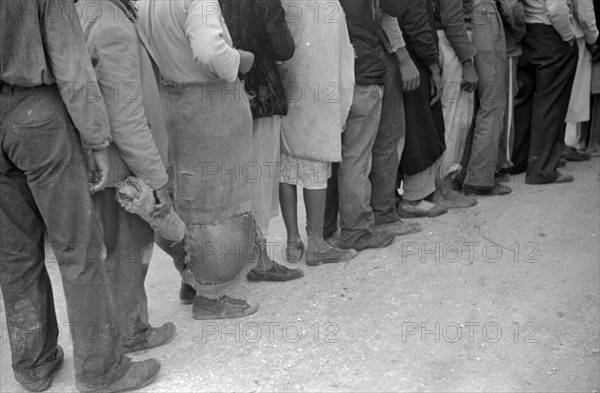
pixel 436 84
pixel 162 208
pixel 100 169
pixel 246 61
pixel 409 72
pixel 470 79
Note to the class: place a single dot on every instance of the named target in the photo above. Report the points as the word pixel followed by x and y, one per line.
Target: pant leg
pixel 356 216
pixel 330 224
pixel 46 154
pixel 555 62
pixel 129 241
pixel 422 184
pixel 457 106
pixel 526 77
pixel 26 288
pixel 508 130
pixel 385 148
pixel 490 63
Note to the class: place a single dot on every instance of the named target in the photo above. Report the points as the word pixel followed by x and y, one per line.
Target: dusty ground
pixel 505 299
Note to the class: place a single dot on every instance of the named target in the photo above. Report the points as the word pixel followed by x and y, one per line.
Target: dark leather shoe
pixel 379 239
pixel 138 375
pixel 573 155
pixel 496 190
pixel 222 308
pixel 156 337
pixel 275 273
pixel 399 227
pixel 187 293
pixel 561 163
pixel 54 366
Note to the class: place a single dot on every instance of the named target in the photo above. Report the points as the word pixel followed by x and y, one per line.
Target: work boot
pixel 496 190
pixel 156 337
pixel 445 196
pixel 379 239
pixel 186 293
pixel 138 375
pixel 328 253
pixel 399 227
pixel 54 366
pixel 224 307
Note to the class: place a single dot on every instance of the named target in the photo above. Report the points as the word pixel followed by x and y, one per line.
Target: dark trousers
pixel 129 241
pixel 386 161
pixel 43 187
pixel 349 189
pixel 545 73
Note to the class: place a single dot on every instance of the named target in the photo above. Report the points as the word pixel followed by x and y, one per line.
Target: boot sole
pixel 249 311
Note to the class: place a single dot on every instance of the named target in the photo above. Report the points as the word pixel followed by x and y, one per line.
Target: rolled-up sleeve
pixel 560 16
pixel 453 23
pixel 70 63
pixel 390 26
pixel 117 64
pixel 207 39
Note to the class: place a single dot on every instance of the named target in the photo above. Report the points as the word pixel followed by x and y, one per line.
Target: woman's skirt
pixel 210 159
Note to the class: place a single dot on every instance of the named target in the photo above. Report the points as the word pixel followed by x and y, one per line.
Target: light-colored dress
pixel 319 83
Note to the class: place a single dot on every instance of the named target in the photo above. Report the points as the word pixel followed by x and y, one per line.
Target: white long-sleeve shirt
pixel 189 39
pixel 556 13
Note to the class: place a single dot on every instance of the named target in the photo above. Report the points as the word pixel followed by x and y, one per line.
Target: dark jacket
pixel 370 64
pixel 513 19
pixel 425 128
pixel 417 27
pixel 450 18
pixel 41 43
pixel 259 26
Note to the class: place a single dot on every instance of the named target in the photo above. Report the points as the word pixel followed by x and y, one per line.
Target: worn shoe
pixel 496 190
pixel 447 197
pixel 140 374
pixel 156 337
pixel 562 178
pixel 501 177
pixel 222 308
pixel 379 239
pixel 400 227
pixel 573 155
pixel 275 273
pixel 294 252
pixel 187 293
pixel 54 366
pixel 328 253
pixel 423 209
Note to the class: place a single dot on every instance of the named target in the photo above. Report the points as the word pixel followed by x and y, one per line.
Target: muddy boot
pixel 447 197
pixel 155 338
pixel 53 366
pixel 138 375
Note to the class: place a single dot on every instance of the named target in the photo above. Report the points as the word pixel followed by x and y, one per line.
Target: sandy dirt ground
pixel 500 297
